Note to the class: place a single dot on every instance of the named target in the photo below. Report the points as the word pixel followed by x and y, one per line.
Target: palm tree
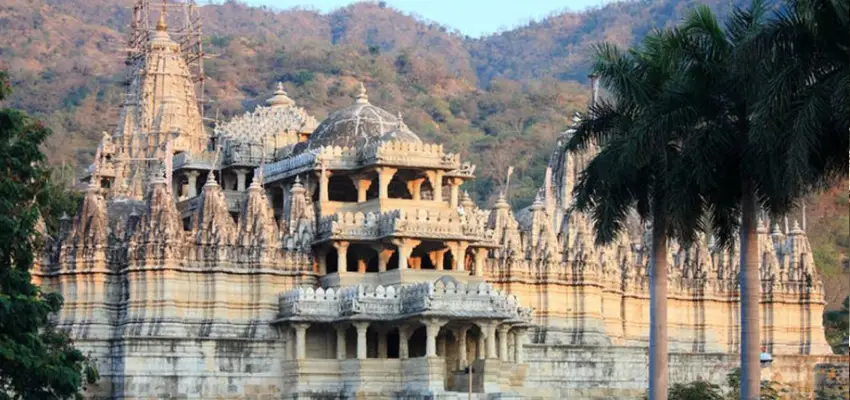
pixel 711 99
pixel 803 112
pixel 621 178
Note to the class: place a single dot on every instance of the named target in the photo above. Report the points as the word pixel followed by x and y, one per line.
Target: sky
pixel 472 17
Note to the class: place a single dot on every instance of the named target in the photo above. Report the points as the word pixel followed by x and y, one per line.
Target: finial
pixel 362 97
pixel 776 230
pixel 256 183
pixel 796 228
pixel 64 216
pixel 211 179
pixel 160 25
pixel 297 187
pixel 280 97
pixel 760 227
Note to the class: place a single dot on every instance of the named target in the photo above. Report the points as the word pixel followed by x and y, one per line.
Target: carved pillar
pixel 403 337
pixel 415 187
pixel 436 179
pixel 300 340
pixel 519 337
pixel 384 255
pixel 241 176
pixel 361 327
pixel 362 183
pixel 503 342
pixel 405 247
pixel 340 341
pixel 459 257
pixel 432 329
pixel 192 176
pixel 437 258
pixel 480 256
pixel 460 337
pixel 324 179
pixel 341 256
pixel 488 331
pixel 454 185
pixel 385 175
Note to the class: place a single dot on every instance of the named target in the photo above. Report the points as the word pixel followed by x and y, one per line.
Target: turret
pixel 213 224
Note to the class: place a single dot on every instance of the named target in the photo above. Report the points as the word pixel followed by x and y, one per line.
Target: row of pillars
pixel 296 338
pixel 363 182
pixel 405 247
pixel 192 181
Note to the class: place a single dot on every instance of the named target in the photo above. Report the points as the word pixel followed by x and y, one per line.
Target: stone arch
pixel 331 261
pixel 398 188
pixel 341 188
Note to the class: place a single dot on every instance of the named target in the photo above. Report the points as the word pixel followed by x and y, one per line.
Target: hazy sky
pixel 472 17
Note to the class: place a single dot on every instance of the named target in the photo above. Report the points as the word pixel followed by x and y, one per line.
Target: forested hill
pixel 498 100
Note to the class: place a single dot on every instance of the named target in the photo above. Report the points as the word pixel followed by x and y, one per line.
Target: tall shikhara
pixel 266 261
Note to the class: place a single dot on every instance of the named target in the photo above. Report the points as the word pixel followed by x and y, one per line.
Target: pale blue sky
pixel 471 17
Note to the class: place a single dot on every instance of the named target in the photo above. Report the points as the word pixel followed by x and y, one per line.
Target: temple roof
pixel 360 124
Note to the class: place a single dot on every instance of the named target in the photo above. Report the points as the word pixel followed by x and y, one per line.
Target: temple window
pixel 331 260
pixel 426 191
pixel 372 193
pixel 361 258
pixel 398 189
pixel 341 188
pixel 416 343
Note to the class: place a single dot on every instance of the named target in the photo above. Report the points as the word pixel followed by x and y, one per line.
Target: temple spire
pixel 160 25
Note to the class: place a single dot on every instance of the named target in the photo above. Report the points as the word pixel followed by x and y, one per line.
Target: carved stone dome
pixel 358 125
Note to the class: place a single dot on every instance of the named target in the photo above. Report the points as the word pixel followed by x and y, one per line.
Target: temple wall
pixel 610 372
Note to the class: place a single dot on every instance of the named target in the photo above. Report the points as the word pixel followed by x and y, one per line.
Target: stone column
pixel 458 250
pixel 415 187
pixel 341 256
pixel 436 179
pixel 454 185
pixel 300 340
pixel 405 247
pixel 324 179
pixel 480 256
pixel 340 341
pixel 362 183
pixel 503 342
pixel 437 258
pixel 241 176
pixel 361 327
pixel 403 337
pixel 192 176
pixel 460 337
pixel 385 175
pixel 519 337
pixel 384 255
pixel 488 330
pixel 432 329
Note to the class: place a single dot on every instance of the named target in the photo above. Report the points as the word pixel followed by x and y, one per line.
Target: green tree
pixel 36 361
pixel 719 99
pixel 837 325
pixel 633 170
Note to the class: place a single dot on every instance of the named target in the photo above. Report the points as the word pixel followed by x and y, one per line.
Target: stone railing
pixel 446 297
pixel 288 166
pixel 234 200
pixel 194 160
pixel 401 153
pixel 422 223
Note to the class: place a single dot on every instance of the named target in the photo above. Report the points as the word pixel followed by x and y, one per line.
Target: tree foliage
pixel 37 361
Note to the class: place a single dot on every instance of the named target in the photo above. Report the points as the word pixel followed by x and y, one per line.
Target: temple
pixel 276 256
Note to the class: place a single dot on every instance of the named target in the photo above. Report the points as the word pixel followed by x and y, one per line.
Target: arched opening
pixel 448 261
pixel 359 257
pixel 424 253
pixel 351 342
pixel 341 188
pixel 398 189
pixel 331 261
pixel 426 191
pixel 393 261
pixel 416 343
pixel 392 343
pixel 374 187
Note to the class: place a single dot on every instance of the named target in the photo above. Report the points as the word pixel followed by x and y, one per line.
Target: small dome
pixel 358 125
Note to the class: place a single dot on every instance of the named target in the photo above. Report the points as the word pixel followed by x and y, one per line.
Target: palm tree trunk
pixel 658 311
pixel 750 298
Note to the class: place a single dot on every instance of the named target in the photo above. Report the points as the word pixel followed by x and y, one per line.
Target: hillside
pixel 496 100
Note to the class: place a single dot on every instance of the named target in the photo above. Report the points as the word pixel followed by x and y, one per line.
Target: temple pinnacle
pixel 160 25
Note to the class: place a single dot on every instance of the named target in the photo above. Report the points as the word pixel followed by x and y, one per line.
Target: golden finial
pixel 160 25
